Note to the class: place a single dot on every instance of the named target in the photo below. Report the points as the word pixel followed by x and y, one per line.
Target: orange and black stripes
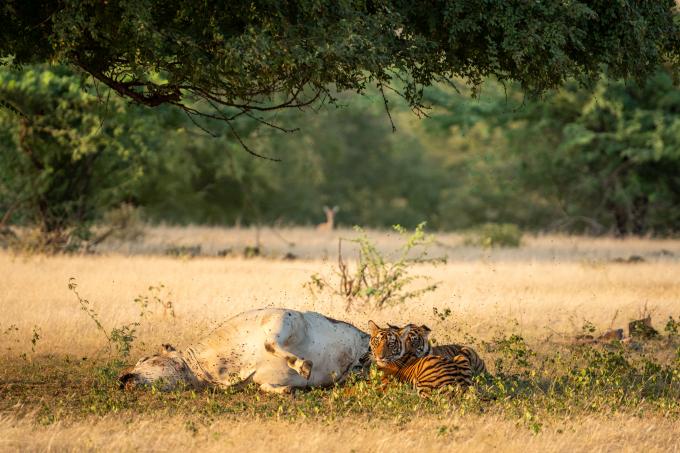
pixel 477 365
pixel 424 373
pixel 433 372
pixel 416 342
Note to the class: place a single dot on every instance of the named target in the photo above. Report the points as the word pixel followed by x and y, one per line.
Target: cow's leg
pixel 285 332
pixel 276 388
pixel 299 364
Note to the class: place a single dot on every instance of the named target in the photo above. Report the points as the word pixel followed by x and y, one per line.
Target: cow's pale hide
pixel 278 349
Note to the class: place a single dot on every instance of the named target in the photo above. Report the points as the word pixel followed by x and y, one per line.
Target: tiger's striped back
pixel 416 342
pixel 434 372
pixel 449 351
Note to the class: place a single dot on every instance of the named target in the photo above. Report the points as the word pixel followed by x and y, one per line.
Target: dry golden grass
pixel 307 243
pixel 470 434
pixel 543 296
pixel 545 290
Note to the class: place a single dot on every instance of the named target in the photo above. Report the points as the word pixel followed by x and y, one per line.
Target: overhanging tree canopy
pixel 240 57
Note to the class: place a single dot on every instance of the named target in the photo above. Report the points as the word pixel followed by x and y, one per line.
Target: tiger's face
pixel 386 344
pixel 416 339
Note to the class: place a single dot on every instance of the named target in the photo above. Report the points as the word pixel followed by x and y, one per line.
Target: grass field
pixel 521 308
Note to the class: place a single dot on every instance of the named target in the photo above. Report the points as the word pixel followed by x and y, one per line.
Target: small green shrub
pixel 157 298
pixel 119 338
pixel 35 338
pixel 10 336
pixel 495 235
pixel 672 328
pixel 377 281
pixel 513 353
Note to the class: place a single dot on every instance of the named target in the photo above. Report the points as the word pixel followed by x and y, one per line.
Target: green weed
pixel 119 338
pixel 377 281
pixel 157 298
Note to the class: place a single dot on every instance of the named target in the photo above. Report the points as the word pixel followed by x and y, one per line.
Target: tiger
pixel 416 341
pixel 424 373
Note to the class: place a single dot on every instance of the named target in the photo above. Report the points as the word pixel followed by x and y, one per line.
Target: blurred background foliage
pixel 596 160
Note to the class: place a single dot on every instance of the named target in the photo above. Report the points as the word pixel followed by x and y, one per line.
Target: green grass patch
pixel 528 386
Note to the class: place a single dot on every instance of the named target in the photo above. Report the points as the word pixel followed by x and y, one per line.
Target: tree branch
pixel 387 108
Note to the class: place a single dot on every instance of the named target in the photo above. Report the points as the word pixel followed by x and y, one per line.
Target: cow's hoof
pixel 277 388
pixel 306 369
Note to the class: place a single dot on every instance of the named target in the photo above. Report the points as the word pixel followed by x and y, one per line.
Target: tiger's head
pixel 416 339
pixel 387 345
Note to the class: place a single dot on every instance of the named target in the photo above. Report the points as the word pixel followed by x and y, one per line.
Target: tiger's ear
pixel 425 331
pixel 403 331
pixel 373 328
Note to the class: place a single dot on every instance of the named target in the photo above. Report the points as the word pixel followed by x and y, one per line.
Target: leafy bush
pixel 66 156
pixel 376 281
pixel 513 353
pixel 495 235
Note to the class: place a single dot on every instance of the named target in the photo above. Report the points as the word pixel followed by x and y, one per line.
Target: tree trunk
pixel 640 208
pixel 621 217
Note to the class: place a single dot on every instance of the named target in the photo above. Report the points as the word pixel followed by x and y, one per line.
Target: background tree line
pixel 588 160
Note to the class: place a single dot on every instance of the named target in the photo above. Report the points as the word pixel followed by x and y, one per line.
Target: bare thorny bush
pixel 376 281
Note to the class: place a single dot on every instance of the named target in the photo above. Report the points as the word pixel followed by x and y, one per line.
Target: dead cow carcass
pixel 278 349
